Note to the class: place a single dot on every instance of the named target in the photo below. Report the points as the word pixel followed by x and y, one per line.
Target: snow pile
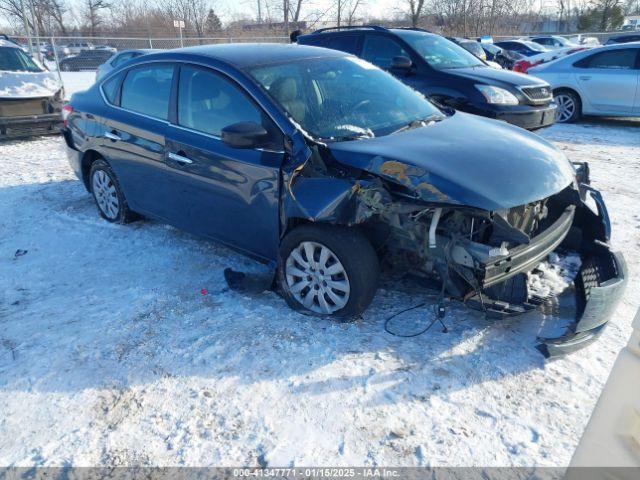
pixel 553 275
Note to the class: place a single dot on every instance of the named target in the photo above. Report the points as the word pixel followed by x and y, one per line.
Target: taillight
pixel 66 111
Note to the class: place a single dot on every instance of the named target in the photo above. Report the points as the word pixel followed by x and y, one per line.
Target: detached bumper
pixel 31 125
pixel 599 287
pixel 524 116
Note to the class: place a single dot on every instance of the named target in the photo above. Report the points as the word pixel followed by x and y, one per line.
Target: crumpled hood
pixel 466 160
pixel 28 84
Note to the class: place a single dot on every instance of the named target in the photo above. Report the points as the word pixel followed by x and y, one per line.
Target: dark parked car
pixel 504 58
pixel 325 167
pixel 523 47
pixel 470 46
pixel 445 72
pixel 31 97
pixel 85 60
pixel 119 59
pixel 627 38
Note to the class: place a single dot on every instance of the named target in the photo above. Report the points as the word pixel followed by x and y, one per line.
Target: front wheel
pixel 328 271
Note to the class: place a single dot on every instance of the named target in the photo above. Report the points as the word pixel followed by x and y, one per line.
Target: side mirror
pixel 244 135
pixel 401 63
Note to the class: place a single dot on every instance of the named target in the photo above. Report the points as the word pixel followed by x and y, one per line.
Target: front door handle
pixel 180 159
pixel 585 77
pixel 111 136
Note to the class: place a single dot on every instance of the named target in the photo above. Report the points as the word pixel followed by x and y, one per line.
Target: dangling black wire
pixel 436 311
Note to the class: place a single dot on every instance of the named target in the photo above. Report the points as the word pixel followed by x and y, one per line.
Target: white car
pixel 601 81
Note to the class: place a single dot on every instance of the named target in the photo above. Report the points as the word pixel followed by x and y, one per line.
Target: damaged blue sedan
pixel 329 170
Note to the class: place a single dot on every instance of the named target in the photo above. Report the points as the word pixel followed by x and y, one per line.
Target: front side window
pixel 208 102
pixel 380 50
pixel 147 89
pixel 623 59
pixel 15 60
pixel 343 98
pixel 440 53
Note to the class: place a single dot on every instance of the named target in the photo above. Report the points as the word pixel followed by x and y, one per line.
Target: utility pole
pixel 286 16
pixel 35 31
pixel 259 12
pixel 27 31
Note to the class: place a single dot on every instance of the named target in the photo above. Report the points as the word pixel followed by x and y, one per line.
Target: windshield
pixel 439 52
pixel 535 46
pixel 15 60
pixel 343 98
pixel 474 47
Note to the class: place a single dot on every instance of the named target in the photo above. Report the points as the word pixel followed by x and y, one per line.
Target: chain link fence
pixel 78 54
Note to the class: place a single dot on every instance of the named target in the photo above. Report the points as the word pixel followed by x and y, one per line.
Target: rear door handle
pixel 180 159
pixel 111 136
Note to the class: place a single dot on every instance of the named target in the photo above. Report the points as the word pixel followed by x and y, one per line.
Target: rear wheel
pixel 328 271
pixel 108 195
pixel 569 106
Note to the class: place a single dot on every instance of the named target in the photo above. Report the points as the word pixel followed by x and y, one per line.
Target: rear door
pixel 218 191
pixel 133 135
pixel 609 79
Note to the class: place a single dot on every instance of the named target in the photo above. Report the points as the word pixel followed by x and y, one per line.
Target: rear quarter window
pixel 110 88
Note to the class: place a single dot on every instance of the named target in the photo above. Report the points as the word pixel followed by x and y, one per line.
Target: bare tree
pixel 92 14
pixel 416 8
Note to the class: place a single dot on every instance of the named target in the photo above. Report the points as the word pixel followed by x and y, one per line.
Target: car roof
pixel 244 55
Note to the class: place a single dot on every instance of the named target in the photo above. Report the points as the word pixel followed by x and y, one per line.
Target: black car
pixel 325 167
pixel 627 38
pixel 523 47
pixel 504 58
pixel 445 72
pixel 85 60
pixel 470 46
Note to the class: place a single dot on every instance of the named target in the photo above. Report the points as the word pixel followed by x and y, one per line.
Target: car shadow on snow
pixel 95 305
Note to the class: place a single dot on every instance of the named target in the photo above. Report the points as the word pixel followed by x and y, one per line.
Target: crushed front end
pixel 476 218
pixel 484 258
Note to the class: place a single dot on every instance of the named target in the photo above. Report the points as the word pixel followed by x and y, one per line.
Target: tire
pixel 108 195
pixel 347 291
pixel 569 106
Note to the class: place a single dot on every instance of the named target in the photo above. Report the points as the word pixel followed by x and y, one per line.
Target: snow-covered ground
pixel 111 352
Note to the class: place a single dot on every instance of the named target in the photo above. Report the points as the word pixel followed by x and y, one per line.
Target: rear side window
pixel 623 59
pixel 146 90
pixel 110 88
pixel 344 43
pixel 380 50
pixel 208 102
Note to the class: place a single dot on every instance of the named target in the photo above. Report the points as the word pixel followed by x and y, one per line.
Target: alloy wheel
pixel 105 194
pixel 566 107
pixel 316 278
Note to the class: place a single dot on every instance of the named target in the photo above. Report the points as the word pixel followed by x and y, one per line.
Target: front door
pixel 221 192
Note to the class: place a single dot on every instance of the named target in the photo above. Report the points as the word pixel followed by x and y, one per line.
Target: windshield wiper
pixel 420 122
